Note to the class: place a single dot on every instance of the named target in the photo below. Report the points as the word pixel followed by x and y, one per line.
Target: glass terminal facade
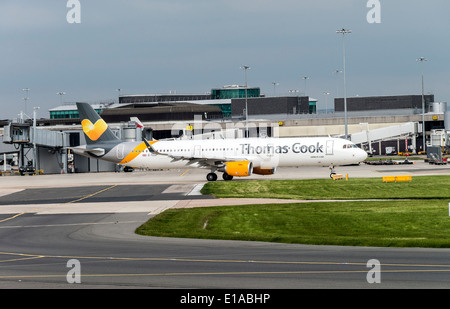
pixel 234 92
pixel 225 93
pixel 66 114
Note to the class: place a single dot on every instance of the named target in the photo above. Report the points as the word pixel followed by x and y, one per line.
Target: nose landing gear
pixel 332 171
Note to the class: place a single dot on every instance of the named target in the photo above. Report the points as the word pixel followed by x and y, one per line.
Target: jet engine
pixel 238 168
pixel 264 171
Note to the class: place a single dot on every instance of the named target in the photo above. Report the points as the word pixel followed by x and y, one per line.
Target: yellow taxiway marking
pixel 184 173
pixel 10 218
pixel 90 195
pixel 70 202
pixel 24 259
pixel 22 256
pixel 222 273
pixel 214 261
pixel 445 268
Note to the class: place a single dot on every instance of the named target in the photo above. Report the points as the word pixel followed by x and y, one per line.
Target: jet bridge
pixel 37 147
pixel 367 137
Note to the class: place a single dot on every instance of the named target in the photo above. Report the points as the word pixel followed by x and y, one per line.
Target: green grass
pixel 426 187
pixel 379 224
pixel 421 221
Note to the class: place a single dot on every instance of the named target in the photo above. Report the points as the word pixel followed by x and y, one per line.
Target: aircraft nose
pixel 362 155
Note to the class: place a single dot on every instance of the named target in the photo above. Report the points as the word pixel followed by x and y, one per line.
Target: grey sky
pixel 148 46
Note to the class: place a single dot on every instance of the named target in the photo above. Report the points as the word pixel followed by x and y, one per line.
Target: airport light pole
pixel 421 60
pixel 26 99
pixel 35 159
pixel 344 32
pixel 305 78
pixel 119 91
pixel 245 68
pixel 326 94
pixel 61 93
pixel 275 84
pixel 336 72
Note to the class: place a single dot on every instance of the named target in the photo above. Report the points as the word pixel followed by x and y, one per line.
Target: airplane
pixel 240 157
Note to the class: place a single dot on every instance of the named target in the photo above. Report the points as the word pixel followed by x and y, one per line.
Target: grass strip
pixel 359 223
pixel 412 214
pixel 424 187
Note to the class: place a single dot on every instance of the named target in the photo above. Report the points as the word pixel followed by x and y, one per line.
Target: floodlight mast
pixel 344 32
pixel 421 60
pixel 245 68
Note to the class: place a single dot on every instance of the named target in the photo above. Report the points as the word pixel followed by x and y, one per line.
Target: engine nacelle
pixel 264 171
pixel 238 168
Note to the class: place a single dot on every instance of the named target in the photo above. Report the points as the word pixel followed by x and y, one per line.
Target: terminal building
pixel 375 123
pixel 406 102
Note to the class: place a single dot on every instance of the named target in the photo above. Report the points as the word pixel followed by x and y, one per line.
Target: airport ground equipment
pixel 28 169
pixel 340 177
pixel 389 162
pixel 434 155
pixel 401 178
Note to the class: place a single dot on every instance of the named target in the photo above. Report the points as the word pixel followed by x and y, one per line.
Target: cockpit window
pixel 350 146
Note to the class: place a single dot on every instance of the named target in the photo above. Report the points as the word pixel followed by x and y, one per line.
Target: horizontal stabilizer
pixel 84 151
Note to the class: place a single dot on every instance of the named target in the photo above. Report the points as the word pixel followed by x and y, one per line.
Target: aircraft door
pixel 120 149
pixel 329 148
pixel 270 150
pixel 197 151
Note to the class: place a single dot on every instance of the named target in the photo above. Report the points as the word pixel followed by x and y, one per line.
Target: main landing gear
pixel 213 177
pixel 227 177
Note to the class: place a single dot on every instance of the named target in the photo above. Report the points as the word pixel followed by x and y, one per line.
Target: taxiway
pixel 47 220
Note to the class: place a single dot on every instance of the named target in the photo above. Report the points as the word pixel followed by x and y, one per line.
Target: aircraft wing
pixel 201 161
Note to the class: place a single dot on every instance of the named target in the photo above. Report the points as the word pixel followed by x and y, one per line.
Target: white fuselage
pixel 262 152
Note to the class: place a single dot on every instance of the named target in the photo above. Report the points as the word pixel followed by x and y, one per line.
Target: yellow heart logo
pixel 94 131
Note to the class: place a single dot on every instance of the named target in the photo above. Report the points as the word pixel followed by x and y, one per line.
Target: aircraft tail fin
pixel 137 122
pixel 95 129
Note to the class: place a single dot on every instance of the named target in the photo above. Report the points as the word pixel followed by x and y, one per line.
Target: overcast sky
pixel 157 46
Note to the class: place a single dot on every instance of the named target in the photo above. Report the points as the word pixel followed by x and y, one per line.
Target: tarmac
pixel 182 191
pixel 47 220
